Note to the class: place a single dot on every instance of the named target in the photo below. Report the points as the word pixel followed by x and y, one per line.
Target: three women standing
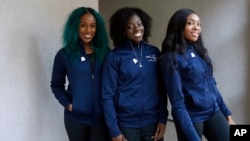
pixel 132 93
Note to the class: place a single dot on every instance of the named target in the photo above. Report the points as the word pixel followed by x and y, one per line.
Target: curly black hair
pixel 119 20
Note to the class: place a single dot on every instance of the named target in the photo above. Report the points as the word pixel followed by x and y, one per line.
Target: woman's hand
pixel 160 130
pixel 230 120
pixel 69 107
pixel 119 138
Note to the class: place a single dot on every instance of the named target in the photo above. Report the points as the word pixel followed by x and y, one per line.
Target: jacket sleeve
pixel 109 86
pixel 223 107
pixel 163 112
pixel 58 80
pixel 180 114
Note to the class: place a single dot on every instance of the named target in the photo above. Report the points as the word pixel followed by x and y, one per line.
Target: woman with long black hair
pixel 197 105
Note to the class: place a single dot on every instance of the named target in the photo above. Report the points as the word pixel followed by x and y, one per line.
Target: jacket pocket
pixel 82 105
pixel 201 101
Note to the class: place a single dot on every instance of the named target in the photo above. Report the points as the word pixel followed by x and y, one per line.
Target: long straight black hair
pixel 175 42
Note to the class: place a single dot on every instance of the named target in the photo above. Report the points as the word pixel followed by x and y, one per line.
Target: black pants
pixel 81 132
pixel 140 134
pixel 214 129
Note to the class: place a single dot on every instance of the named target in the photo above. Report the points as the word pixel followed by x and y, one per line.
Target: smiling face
pixel 134 29
pixel 87 28
pixel 193 28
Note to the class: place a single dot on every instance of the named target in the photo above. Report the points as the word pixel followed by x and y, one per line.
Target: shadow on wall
pixel 243 97
pixel 248 63
pixel 236 49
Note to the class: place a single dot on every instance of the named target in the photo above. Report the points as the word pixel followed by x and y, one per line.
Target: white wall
pixel 226 32
pixel 30 35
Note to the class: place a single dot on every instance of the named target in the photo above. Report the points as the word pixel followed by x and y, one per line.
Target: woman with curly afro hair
pixel 133 106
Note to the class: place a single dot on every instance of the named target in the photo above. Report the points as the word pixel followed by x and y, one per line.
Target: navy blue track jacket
pixel 130 92
pixel 83 91
pixel 192 91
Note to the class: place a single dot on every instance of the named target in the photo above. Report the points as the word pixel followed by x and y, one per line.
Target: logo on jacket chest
pixel 151 57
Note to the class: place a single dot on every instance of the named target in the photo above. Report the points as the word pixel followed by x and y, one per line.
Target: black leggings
pixel 214 129
pixel 81 132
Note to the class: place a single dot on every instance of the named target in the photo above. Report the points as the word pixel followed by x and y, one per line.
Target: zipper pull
pixel 93 76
